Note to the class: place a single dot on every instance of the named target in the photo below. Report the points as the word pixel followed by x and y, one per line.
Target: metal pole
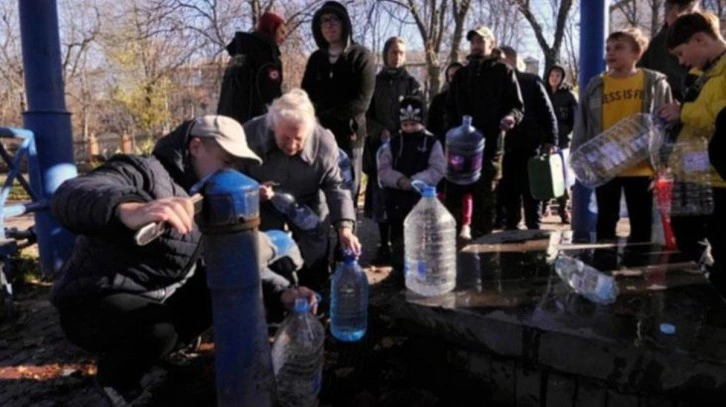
pixel 48 119
pixel 229 220
pixel 593 29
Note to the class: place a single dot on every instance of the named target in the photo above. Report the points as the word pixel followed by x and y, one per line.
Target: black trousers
pixel 692 232
pixel 131 332
pixel 397 246
pixel 639 200
pixel 514 192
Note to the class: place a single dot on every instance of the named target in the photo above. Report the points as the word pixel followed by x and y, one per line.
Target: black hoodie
pixel 341 92
pixel 565 104
pixel 253 77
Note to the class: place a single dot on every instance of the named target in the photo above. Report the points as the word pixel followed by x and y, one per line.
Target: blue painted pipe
pixel 48 119
pixel 593 29
pixel 229 218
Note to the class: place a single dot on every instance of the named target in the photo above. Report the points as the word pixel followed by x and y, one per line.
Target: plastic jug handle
pixel 419 186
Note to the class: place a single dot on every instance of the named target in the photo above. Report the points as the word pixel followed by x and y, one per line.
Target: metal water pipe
pixel 48 119
pixel 229 222
pixel 593 31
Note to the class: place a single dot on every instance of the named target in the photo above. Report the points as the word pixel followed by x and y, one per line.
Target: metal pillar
pixel 593 29
pixel 48 119
pixel 229 221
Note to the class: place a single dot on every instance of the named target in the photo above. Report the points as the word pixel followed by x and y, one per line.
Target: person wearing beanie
pixel 339 77
pixel 393 83
pixel 413 154
pixel 253 77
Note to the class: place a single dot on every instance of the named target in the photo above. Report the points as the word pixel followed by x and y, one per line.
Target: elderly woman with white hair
pixel 300 157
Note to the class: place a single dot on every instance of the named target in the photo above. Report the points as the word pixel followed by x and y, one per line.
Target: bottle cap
pixel 668 329
pixel 301 306
pixel 429 191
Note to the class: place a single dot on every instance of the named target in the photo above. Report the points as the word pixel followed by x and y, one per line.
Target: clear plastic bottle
pixel 616 149
pixel 346 169
pixel 464 153
pixel 587 281
pixel 297 357
pixel 301 215
pixel 430 246
pixel 349 301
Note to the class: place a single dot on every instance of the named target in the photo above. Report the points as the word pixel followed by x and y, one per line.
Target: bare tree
pixel 551 52
pixel 12 93
pixel 716 6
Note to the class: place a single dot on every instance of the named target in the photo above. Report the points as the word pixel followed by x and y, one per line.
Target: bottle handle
pixel 419 186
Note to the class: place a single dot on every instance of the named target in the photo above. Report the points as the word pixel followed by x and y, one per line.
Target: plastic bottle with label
pixel 587 281
pixel 349 301
pixel 464 153
pixel 429 246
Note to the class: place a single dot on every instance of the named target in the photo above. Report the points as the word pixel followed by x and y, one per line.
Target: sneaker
pixel 382 256
pixel 465 233
pixel 117 397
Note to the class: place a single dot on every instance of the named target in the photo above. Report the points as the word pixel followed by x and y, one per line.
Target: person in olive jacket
pixel 393 83
pixel 487 90
pixel 339 78
pixel 253 77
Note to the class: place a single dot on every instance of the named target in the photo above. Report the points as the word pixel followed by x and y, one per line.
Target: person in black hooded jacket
pixel 437 122
pixel 487 90
pixel 135 304
pixel 253 77
pixel 536 134
pixel 339 78
pixel 565 104
pixel 393 84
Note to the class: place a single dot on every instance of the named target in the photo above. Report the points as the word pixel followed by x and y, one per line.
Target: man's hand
pixel 549 148
pixel 177 212
pixel 289 295
pixel 404 183
pixel 507 123
pixel 267 191
pixel 670 112
pixel 349 241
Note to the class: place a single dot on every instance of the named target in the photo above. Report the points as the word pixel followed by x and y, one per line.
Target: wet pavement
pixel 511 308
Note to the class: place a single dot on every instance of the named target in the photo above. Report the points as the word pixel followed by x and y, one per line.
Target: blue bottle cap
pixel 429 191
pixel 301 306
pixel 668 329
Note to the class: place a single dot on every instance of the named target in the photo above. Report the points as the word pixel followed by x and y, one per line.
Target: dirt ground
pixel 38 367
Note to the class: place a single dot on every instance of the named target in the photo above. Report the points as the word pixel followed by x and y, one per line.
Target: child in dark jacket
pixel 413 154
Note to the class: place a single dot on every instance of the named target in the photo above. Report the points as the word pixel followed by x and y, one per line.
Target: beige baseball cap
pixel 482 31
pixel 227 132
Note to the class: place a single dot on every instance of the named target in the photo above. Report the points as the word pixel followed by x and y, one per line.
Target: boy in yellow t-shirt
pixel 696 40
pixel 622 91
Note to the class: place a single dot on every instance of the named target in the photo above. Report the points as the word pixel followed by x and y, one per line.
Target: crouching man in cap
pixel 134 304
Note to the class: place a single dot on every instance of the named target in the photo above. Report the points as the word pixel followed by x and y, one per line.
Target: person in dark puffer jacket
pixel 131 304
pixel 339 78
pixel 253 77
pixel 393 83
pixel 565 105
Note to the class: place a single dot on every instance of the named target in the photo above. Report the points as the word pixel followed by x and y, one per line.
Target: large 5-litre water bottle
pixel 349 301
pixel 464 153
pixel 616 149
pixel 301 215
pixel 586 280
pixel 430 246
pixel 297 357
